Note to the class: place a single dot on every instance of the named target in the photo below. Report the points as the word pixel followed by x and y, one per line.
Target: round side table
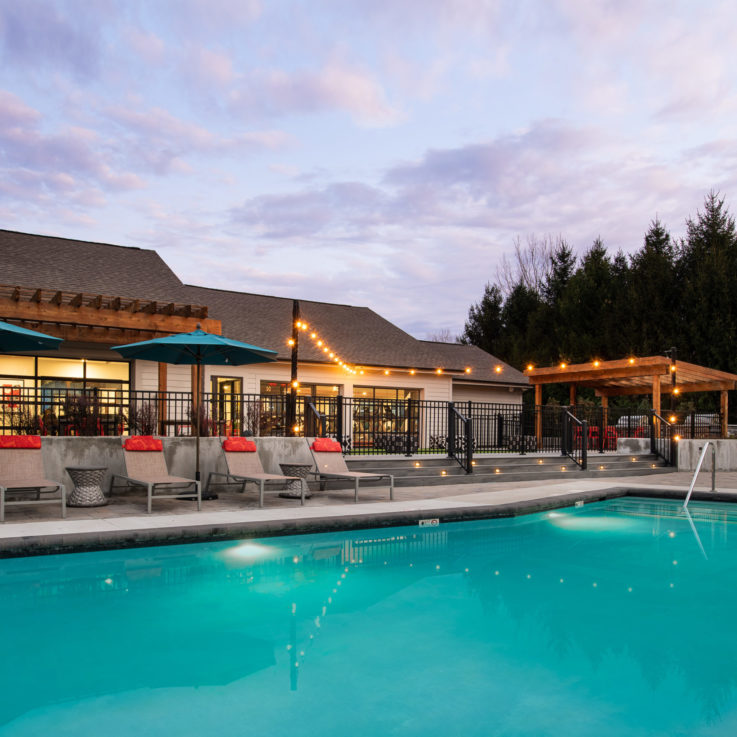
pixel 87 491
pixel 294 488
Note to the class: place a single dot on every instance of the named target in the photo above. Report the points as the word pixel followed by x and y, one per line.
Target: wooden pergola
pixel 654 375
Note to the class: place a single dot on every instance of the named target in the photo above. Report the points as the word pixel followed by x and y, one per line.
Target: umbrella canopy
pixel 14 338
pixel 197 348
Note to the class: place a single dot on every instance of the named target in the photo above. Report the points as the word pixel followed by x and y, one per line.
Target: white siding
pixel 146 375
pixel 502 395
pixel 432 387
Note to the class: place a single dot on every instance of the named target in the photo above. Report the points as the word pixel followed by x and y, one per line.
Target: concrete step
pixel 552 464
pixel 439 471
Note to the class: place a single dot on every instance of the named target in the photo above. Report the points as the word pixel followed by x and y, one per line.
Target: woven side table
pixel 294 488
pixel 87 491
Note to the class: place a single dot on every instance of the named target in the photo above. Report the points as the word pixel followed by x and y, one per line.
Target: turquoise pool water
pixel 610 619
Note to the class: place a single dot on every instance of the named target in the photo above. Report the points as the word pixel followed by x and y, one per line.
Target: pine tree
pixel 484 325
pixel 707 267
pixel 655 324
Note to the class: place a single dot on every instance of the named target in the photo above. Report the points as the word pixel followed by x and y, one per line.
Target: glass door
pixel 228 405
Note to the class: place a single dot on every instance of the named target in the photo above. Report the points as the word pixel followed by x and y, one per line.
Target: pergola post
pixel 724 409
pixel 539 415
pixel 656 393
pixel 572 395
pixel 605 411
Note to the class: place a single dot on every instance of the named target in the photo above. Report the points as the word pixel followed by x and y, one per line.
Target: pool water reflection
pixel 605 620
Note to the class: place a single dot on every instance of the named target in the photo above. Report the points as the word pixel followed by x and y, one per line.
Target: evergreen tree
pixel 654 326
pixel 484 325
pixel 520 340
pixel 707 267
pixel 584 305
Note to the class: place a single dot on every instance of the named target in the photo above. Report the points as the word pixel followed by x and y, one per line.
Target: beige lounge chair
pixel 330 464
pixel 145 465
pixel 22 475
pixel 244 466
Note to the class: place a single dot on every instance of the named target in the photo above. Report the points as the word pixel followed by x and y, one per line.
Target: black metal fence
pixel 362 425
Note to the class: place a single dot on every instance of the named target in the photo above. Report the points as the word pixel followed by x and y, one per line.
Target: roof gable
pixel 80 266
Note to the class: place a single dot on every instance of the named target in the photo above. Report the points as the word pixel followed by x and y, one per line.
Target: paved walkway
pixel 125 515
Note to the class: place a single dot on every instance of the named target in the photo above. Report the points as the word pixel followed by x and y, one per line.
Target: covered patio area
pixel 653 375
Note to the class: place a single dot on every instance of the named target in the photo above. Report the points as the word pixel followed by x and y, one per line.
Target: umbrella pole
pixel 198 420
pixel 197 423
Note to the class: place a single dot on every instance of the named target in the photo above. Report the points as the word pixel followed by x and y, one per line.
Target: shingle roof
pixel 80 266
pixel 482 364
pixel 358 334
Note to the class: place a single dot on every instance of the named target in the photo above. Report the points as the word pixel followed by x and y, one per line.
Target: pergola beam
pixel 621 391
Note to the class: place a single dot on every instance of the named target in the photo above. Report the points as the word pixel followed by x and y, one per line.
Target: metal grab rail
pixel 462 452
pixel 663 439
pixel 575 445
pixel 313 415
pixel 698 468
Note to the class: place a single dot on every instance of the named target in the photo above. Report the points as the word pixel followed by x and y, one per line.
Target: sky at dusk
pixel 382 153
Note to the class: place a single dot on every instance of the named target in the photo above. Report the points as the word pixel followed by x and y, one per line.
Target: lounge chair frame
pixel 148 468
pixel 245 467
pixel 21 473
pixel 331 465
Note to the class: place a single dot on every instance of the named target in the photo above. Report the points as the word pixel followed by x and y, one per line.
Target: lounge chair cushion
pixel 20 441
pixel 143 442
pixel 239 445
pixel 326 445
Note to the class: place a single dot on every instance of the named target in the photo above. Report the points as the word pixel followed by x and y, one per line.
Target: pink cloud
pixel 333 87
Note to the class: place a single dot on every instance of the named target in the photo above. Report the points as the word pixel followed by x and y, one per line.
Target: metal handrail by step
pixel 698 468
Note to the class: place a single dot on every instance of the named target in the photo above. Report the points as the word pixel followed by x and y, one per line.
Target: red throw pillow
pixel 143 442
pixel 20 441
pixel 326 445
pixel 239 445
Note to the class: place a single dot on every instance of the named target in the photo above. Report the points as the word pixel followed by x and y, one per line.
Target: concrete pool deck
pixel 33 530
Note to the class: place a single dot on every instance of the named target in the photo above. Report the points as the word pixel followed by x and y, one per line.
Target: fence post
pixel 339 418
pixel 584 444
pixel 651 415
pixel 522 424
pixel 500 430
pixel 564 431
pixel 451 431
pixel 469 443
pixel 408 436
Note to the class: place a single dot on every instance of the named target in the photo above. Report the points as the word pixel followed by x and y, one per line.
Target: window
pixel 379 392
pixel 35 398
pixel 384 419
pixel 276 388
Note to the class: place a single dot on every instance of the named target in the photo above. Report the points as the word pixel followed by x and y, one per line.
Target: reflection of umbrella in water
pixel 197 348
pixel 17 339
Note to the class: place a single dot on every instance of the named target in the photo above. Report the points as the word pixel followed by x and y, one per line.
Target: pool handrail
pixel 698 468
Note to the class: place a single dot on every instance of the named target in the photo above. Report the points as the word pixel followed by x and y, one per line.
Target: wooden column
pixel 656 393
pixel 161 411
pixel 605 411
pixel 572 394
pixel 538 415
pixel 724 409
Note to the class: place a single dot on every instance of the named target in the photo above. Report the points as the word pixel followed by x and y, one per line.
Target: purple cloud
pixel 39 34
pixel 335 86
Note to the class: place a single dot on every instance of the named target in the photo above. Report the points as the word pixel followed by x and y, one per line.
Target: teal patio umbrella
pixel 197 348
pixel 16 339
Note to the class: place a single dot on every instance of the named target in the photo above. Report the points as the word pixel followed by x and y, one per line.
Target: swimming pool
pixel 616 618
